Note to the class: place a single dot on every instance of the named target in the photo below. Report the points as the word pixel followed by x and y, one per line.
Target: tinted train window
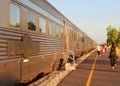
pixel 62 33
pixel 57 30
pixel 42 25
pixel 50 27
pixel 70 35
pixel 31 21
pixel 54 29
pixel 14 15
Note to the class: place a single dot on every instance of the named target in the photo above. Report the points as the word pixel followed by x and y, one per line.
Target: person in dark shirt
pixel 112 55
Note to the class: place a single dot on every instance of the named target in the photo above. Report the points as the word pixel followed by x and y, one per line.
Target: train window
pixel 54 29
pixel 83 39
pixel 14 15
pixel 50 27
pixel 31 21
pixel 74 36
pixel 62 34
pixel 57 30
pixel 70 35
pixel 42 24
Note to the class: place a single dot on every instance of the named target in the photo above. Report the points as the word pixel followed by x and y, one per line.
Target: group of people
pixel 112 54
pixel 101 49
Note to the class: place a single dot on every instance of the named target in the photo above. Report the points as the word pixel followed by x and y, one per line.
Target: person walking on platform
pixel 98 49
pixel 112 55
pixel 103 48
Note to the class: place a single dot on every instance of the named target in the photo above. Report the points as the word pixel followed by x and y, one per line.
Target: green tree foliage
pixel 112 36
pixel 118 39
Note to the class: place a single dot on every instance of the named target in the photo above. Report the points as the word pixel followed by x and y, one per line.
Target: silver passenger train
pixel 36 38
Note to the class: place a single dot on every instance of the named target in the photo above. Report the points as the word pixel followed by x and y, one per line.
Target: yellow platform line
pixel 91 73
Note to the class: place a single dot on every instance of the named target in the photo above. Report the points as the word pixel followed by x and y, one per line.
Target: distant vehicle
pixel 35 38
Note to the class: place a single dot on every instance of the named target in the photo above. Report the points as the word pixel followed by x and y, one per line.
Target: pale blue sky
pixel 91 16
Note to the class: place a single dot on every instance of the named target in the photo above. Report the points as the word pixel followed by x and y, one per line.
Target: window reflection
pixel 57 30
pixel 50 27
pixel 62 34
pixel 53 29
pixel 14 15
pixel 42 25
pixel 31 21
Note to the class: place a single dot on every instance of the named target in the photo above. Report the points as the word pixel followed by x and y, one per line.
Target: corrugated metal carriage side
pixel 38 62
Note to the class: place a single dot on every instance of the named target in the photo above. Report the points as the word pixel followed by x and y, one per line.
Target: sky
pixel 91 16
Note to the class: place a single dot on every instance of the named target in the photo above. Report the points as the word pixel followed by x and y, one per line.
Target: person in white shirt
pixel 98 49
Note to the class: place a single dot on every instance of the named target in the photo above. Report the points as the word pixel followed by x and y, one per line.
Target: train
pixel 35 38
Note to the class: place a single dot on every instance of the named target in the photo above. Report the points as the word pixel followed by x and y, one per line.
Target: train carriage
pixel 34 39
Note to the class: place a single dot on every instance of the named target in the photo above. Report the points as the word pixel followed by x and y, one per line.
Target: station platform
pixel 94 71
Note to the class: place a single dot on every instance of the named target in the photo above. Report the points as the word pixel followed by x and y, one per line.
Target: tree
pixel 112 35
pixel 118 39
